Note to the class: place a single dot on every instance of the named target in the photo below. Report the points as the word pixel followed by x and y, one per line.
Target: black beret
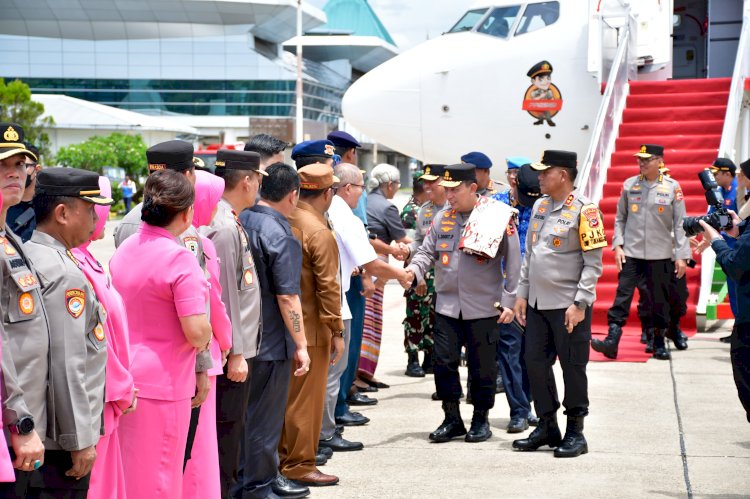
pixel 174 155
pixel 70 182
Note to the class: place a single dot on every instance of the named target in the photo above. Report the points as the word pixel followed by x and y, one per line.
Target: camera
pixel 719 219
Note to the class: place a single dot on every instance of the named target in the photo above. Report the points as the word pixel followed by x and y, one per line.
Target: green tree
pixel 117 150
pixel 16 106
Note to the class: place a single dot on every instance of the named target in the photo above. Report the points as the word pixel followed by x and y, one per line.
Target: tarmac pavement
pixel 660 429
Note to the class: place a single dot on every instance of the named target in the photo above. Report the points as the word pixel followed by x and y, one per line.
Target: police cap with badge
pixel 478 159
pixel 227 159
pixel 13 143
pixel 432 172
pixel 322 148
pixel 650 150
pixel 455 174
pixel 724 165
pixel 174 155
pixel 540 68
pixel 559 159
pixel 71 182
pixel 316 177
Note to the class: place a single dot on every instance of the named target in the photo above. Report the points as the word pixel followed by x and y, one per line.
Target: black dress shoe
pixel 360 399
pixel 376 384
pixel 547 433
pixel 339 444
pixel 283 487
pixel 352 419
pixel 518 425
pixel 320 459
pixel 480 427
pixel 365 389
pixel 726 339
pixel 533 420
pixel 328 453
pixel 339 429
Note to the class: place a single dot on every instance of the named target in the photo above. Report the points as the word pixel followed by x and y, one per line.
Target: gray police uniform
pixel 562 265
pixel 425 216
pixel 77 345
pixel 25 340
pixel 492 188
pixel 240 293
pixel 649 214
pixel 466 289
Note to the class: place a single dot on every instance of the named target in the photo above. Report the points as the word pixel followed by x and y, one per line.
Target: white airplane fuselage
pixel 465 91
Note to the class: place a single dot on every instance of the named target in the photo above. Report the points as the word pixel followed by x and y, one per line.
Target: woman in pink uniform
pixel 201 476
pixel 6 465
pixel 165 295
pixel 107 476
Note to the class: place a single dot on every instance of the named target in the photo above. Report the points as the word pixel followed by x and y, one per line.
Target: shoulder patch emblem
pixel 591 228
pixel 445 259
pixel 248 277
pixel 26 303
pixel 99 331
pixel 191 243
pixel 75 301
pixel 678 196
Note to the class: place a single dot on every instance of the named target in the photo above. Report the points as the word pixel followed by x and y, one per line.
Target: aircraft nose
pixel 385 104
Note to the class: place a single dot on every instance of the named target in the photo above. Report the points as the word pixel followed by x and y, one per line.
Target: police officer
pixel 241 296
pixel 650 211
pixel 485 185
pixel 21 218
pixel 562 264
pixel 467 287
pixel 25 370
pixel 64 206
pixel 313 151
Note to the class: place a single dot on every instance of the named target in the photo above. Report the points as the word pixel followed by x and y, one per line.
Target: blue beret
pixel 313 148
pixel 515 162
pixel 343 139
pixel 478 159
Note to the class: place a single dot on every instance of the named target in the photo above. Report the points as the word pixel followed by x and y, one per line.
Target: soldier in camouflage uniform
pixel 420 314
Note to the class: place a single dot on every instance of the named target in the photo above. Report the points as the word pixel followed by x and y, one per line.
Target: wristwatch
pixel 22 426
pixel 339 334
pixel 580 305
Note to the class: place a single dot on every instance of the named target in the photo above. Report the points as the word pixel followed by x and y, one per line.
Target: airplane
pixel 473 88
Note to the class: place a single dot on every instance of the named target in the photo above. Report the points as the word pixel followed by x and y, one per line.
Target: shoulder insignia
pixel 191 243
pixel 26 281
pixel 75 301
pixel 678 195
pixel 569 200
pixel 73 258
pixel 591 228
pixel 99 332
pixel 8 247
pixel 510 229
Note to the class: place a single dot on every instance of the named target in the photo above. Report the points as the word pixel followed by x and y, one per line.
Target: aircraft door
pixel 724 26
pixel 689 47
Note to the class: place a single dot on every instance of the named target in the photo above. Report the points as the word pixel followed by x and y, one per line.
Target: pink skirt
pixel 201 477
pixel 153 441
pixel 108 476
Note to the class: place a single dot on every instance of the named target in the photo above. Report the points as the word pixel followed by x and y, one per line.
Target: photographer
pixel 736 264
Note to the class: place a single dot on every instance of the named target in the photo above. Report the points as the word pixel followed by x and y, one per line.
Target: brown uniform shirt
pixel 321 290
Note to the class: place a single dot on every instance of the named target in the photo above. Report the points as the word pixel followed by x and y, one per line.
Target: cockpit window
pixel 499 22
pixel 538 16
pixel 469 20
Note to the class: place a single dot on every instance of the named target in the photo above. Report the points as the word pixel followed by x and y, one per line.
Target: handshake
pixel 400 251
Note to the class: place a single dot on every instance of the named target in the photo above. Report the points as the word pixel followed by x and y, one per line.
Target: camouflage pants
pixel 420 318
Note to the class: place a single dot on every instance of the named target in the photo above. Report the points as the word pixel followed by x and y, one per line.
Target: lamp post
pixel 299 118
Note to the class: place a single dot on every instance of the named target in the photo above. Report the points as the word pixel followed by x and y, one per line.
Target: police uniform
pixel 174 155
pixel 420 311
pixel 561 267
pixel 649 216
pixel 25 370
pixel 466 287
pixel 77 342
pixel 539 69
pixel 240 293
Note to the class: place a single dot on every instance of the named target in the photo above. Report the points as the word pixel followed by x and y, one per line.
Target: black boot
pixel 608 346
pixel 413 369
pixel 650 340
pixel 427 364
pixel 679 339
pixel 547 433
pixel 660 347
pixel 452 426
pixel 574 444
pixel 480 427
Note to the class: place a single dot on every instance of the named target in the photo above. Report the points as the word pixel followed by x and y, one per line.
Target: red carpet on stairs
pixel 686 117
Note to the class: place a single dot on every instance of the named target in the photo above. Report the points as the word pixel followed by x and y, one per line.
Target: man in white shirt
pixel 357 255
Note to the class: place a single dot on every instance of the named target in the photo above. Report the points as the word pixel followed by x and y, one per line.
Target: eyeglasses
pixel 361 186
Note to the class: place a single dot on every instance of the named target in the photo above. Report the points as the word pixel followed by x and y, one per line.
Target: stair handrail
pixel 592 174
pixel 735 132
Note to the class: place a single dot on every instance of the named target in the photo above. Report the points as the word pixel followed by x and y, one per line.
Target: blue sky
pixel 411 22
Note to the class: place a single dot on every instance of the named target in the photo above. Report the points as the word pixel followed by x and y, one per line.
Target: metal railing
pixel 735 141
pixel 593 172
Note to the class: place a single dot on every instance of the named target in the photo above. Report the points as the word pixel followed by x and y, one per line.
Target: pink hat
pixel 208 191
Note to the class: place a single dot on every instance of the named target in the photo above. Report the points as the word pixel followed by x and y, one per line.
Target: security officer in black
pixel 467 287
pixel 561 267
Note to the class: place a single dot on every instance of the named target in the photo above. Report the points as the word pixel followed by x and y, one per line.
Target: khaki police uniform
pixel 466 289
pixel 648 226
pixel 562 264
